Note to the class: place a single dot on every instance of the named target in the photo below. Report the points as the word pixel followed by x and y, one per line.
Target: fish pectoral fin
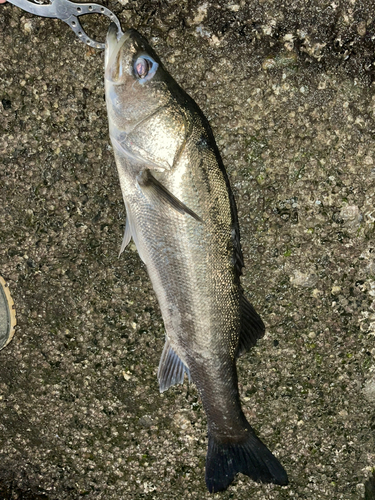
pixel 252 327
pixel 152 187
pixel 127 236
pixel 171 369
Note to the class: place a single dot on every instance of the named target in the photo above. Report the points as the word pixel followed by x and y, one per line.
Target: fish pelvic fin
pixel 250 457
pixel 252 327
pixel 171 369
pixel 127 236
pixel 152 187
pixel 131 232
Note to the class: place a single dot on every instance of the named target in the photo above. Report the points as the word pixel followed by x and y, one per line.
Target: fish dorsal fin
pixel 127 236
pixel 171 369
pixel 153 188
pixel 252 327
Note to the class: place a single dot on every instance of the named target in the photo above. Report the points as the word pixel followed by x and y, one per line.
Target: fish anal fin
pixel 252 327
pixel 171 369
pixel 153 188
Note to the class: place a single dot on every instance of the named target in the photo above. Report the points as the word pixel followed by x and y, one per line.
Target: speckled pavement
pixel 289 91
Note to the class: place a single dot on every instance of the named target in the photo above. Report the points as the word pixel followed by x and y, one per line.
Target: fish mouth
pixel 112 46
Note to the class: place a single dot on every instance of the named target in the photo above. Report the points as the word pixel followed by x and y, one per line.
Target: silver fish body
pixel 182 217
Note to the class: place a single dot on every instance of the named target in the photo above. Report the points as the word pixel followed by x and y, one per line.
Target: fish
pixel 182 217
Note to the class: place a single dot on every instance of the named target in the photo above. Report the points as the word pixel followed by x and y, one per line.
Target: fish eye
pixel 145 68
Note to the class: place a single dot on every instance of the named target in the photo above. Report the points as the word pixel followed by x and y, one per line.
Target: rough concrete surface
pixel 289 90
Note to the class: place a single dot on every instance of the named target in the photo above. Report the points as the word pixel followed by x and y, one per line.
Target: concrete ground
pixel 289 90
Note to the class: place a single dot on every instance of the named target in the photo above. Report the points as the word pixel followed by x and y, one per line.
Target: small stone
pixel 361 28
pixel 234 7
pixel 369 390
pixel 201 13
pixel 28 26
pixel 145 421
pixel 351 215
pixel 303 279
pixel 368 160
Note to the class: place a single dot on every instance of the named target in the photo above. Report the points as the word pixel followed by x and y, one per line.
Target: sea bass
pixel 182 217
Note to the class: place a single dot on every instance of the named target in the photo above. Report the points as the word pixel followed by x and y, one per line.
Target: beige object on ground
pixel 7 315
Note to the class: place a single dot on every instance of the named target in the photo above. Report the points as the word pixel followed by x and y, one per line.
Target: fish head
pixel 146 120
pixel 133 79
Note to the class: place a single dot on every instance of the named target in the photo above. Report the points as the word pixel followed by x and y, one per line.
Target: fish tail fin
pixel 251 457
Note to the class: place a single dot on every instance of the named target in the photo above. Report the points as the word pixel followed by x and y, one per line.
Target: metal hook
pixel 69 12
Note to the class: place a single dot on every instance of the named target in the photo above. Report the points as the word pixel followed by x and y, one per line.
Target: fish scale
pixel 182 217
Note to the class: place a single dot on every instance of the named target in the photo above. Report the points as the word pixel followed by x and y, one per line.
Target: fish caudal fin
pixel 251 457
